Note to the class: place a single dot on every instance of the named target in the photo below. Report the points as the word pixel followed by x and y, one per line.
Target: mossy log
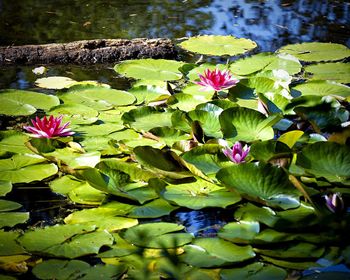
pixel 88 51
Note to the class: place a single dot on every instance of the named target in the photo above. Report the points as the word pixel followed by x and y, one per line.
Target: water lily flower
pixel 238 153
pixel 217 80
pixel 48 127
pixel 334 202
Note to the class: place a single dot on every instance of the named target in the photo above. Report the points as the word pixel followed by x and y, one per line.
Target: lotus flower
pixel 238 153
pixel 217 80
pixel 48 128
pixel 334 202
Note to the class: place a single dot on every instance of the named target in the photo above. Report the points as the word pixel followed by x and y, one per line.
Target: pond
pixel 148 187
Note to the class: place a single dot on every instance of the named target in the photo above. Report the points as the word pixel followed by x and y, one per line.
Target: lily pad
pixel 200 194
pixel 150 69
pixel 157 235
pixel 261 181
pixel 338 72
pixel 98 98
pixel 5 187
pixel 154 209
pixel 8 244
pixel 10 219
pixel 211 252
pixel 255 271
pixel 75 113
pixel 146 118
pixel 149 93
pixel 251 64
pixel 21 102
pixel 7 205
pixel 317 51
pixel 243 124
pixel 26 168
pixel 208 120
pixel 13 141
pixel 218 45
pixel 326 159
pixel 240 232
pixel 55 82
pixel 69 241
pixel 270 150
pixel 323 88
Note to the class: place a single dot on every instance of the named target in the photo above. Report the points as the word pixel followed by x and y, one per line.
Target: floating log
pixel 88 51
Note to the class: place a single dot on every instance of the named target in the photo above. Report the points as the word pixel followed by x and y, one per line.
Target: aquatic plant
pixel 48 127
pixel 238 153
pixel 216 80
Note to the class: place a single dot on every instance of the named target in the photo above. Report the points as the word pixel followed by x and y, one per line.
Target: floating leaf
pixel 157 235
pixel 8 244
pixel 75 113
pixel 208 120
pixel 243 124
pixel 26 168
pixel 5 187
pixel 10 219
pixel 169 135
pixel 338 72
pixel 55 82
pixel 218 45
pixel 146 118
pixel 148 93
pixel 286 62
pixel 326 159
pixel 150 69
pixel 69 241
pixel 261 181
pixel 323 88
pixel 13 141
pixel 209 252
pixel 240 232
pixel 270 150
pixel 251 64
pixel 255 271
pixel 291 137
pixel 316 51
pixel 98 98
pixel 154 209
pixel 7 205
pixel 21 102
pixel 98 130
pixel 200 194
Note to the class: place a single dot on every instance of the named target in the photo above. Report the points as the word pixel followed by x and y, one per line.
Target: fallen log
pixel 88 51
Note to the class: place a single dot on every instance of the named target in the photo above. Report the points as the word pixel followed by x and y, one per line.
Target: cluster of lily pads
pixel 135 157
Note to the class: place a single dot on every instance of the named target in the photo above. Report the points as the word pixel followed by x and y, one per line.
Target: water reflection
pixel 270 23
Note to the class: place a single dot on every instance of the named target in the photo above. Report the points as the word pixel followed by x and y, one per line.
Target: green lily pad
pixel 289 264
pixel 294 251
pixel 291 137
pixel 209 158
pixel 13 141
pixel 338 72
pixel 157 235
pixel 55 82
pixel 103 218
pixel 186 102
pixel 208 120
pixel 323 88
pixel 169 135
pixel 150 69
pixel 154 209
pixel 75 113
pixel 98 130
pixel 60 269
pixel 211 252
pixel 7 205
pixel 8 244
pixel 270 150
pixel 149 93
pixel 243 124
pixel 146 118
pixel 251 64
pixel 261 181
pixel 316 51
pixel 10 219
pixel 218 45
pixel 200 194
pixel 98 98
pixel 69 241
pixel 326 159
pixel 255 271
pixel 5 187
pixel 286 62
pixel 26 168
pixel 239 232
pixel 162 162
pixel 21 102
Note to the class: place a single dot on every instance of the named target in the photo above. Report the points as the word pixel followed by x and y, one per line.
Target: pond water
pixel 271 24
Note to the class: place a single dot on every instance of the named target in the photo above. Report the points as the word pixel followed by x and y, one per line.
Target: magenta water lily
pixel 49 127
pixel 217 80
pixel 238 153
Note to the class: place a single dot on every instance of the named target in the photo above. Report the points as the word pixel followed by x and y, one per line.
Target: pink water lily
pixel 238 153
pixel 217 80
pixel 48 127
